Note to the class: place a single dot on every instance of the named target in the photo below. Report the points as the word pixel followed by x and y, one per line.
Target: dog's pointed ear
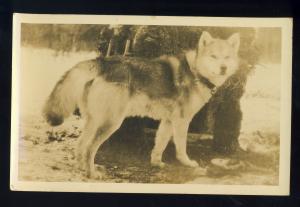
pixel 234 41
pixel 205 39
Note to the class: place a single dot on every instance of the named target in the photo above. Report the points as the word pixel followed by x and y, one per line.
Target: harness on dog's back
pixel 152 77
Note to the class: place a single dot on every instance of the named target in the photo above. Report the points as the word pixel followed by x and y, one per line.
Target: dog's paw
pixel 81 165
pixel 190 163
pixel 193 163
pixel 159 164
pixel 185 160
pixel 97 173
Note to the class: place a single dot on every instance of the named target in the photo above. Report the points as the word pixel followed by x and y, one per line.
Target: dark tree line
pixel 151 41
pixel 61 37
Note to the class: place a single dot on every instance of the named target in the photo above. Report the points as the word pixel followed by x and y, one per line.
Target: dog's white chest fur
pixel 198 98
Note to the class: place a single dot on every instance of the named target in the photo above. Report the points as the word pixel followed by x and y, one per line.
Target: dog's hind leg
pixel 106 106
pixel 88 131
pixel 180 131
pixel 99 136
pixel 163 136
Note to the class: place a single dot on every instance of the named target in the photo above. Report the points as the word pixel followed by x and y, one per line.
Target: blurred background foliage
pixel 149 41
pixel 61 37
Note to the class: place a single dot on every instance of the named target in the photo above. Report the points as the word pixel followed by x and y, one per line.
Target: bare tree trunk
pixel 109 49
pixel 126 48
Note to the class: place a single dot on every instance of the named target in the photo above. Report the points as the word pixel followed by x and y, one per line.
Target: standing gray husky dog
pixel 110 89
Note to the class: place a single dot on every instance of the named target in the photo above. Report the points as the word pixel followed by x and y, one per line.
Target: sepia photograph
pixel 151 104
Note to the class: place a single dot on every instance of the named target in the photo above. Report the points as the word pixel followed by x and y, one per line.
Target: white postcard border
pixel 285 114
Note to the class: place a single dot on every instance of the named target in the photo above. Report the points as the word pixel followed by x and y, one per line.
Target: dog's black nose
pixel 223 69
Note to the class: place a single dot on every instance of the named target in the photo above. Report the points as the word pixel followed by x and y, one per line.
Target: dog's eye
pixel 213 56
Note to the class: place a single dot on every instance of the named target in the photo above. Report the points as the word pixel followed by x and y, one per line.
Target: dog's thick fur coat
pixel 110 89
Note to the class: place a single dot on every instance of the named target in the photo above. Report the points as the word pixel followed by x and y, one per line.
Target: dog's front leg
pixel 180 131
pixel 163 136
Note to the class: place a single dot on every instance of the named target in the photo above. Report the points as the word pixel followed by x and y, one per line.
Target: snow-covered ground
pixel 53 160
pixel 261 106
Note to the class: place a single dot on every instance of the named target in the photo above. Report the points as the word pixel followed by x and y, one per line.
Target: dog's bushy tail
pixel 68 91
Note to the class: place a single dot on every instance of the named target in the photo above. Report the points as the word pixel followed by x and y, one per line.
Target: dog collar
pixel 213 88
pixel 199 78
